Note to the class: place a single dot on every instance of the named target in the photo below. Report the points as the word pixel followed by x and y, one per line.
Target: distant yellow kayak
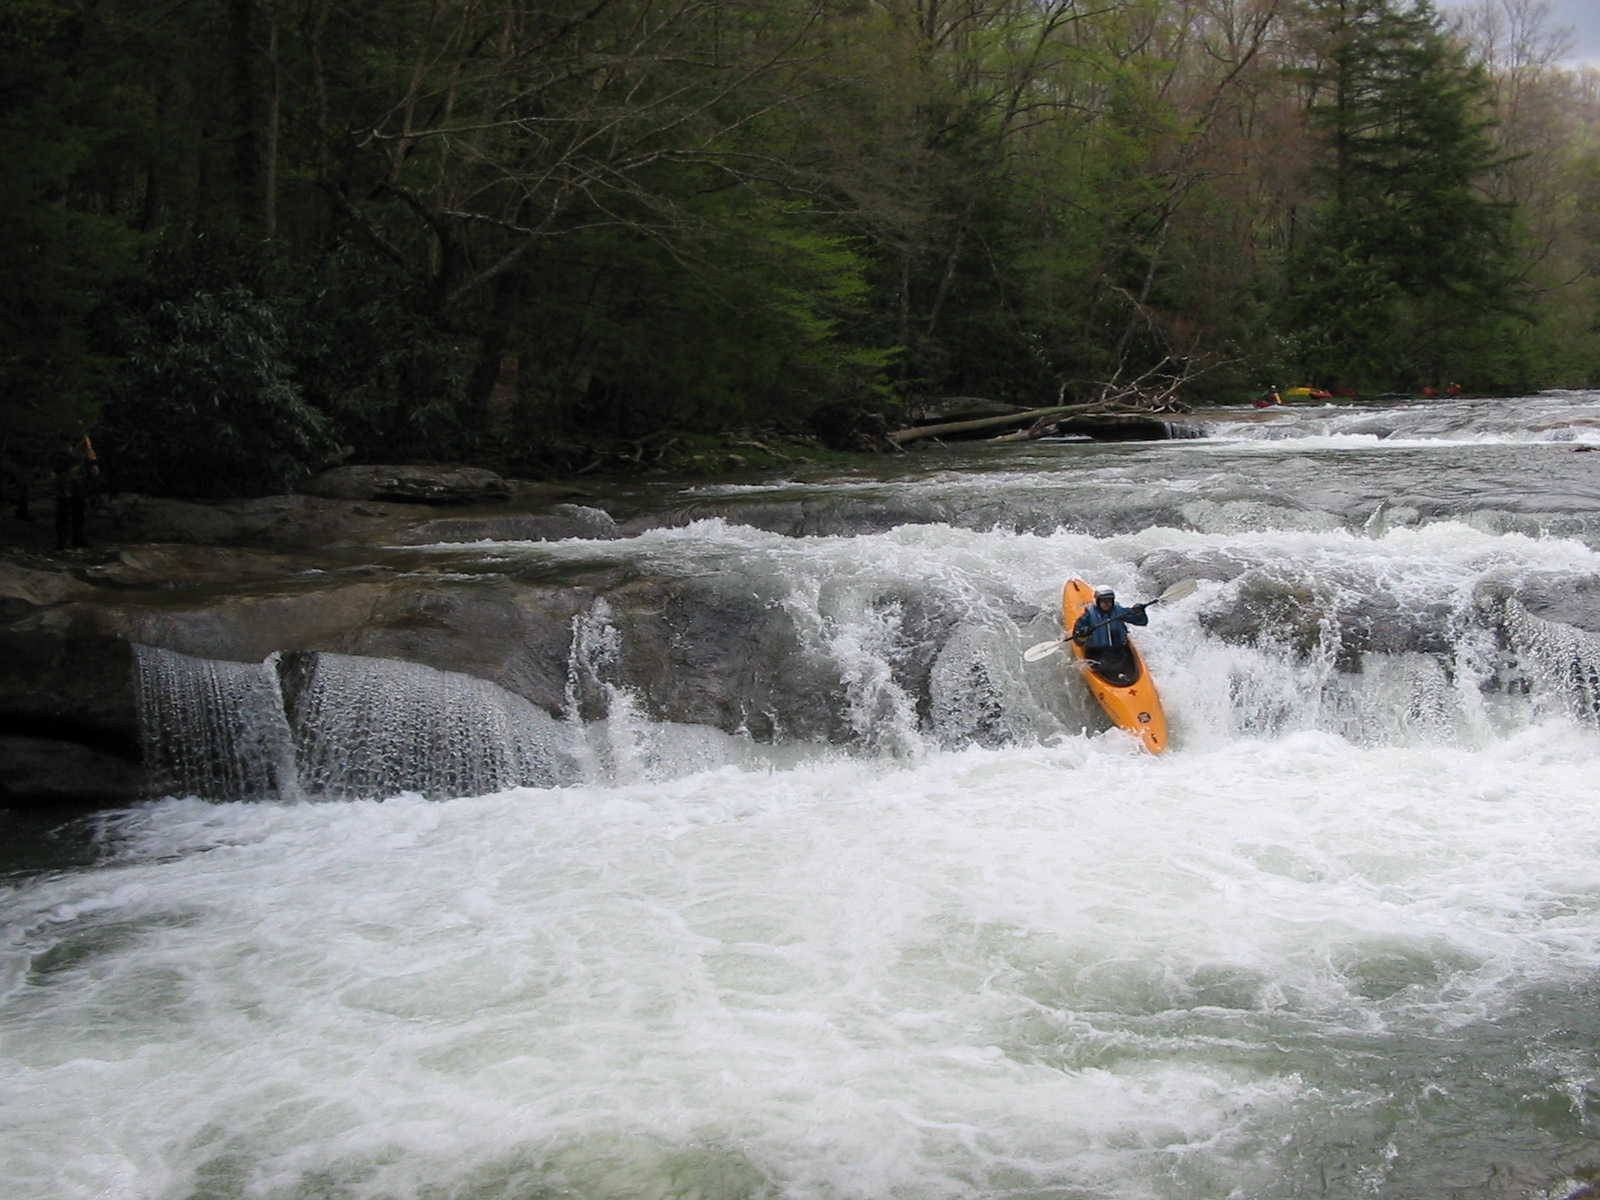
pixel 1121 684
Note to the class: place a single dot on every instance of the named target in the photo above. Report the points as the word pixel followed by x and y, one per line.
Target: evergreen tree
pixel 1407 258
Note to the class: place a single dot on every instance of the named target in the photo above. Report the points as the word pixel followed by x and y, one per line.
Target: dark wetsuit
pixel 1104 638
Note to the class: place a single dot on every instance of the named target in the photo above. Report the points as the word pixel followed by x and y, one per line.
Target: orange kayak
pixel 1121 684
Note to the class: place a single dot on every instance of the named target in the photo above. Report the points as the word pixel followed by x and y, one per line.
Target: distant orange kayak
pixel 1121 685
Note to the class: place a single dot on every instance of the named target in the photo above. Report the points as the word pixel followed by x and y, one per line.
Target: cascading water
pixel 1341 941
pixel 358 727
pixel 1563 663
pixel 212 728
pixel 374 727
pixel 618 746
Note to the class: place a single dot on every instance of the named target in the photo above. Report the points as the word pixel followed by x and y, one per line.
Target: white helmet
pixel 1104 592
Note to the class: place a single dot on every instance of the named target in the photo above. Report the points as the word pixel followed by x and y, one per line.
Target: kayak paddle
pixel 1045 649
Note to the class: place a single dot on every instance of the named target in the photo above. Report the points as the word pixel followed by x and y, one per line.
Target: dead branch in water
pixel 1150 394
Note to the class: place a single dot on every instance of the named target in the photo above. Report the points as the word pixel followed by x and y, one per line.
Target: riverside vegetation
pixel 259 238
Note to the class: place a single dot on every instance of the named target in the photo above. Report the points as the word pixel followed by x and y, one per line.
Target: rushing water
pixel 1342 941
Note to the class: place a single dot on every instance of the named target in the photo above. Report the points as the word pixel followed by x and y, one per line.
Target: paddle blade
pixel 1178 590
pixel 1042 650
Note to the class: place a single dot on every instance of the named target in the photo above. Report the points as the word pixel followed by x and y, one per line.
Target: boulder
pixel 1555 596
pixel 308 522
pixel 174 565
pixel 409 484
pixel 714 649
pixel 75 688
pixel 559 522
pixel 56 773
pixel 719 649
pixel 29 587
pixel 314 524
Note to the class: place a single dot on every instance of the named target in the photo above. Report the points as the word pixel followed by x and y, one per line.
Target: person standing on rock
pixel 75 471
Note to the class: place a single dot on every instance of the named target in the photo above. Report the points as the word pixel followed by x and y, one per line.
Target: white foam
pixel 1303 953
pixel 1065 967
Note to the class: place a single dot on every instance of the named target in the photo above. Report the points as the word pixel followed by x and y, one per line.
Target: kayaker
pixel 1102 630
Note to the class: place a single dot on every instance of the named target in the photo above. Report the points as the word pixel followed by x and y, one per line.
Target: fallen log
pixel 901 436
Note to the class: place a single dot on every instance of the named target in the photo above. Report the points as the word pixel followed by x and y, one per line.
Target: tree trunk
pixel 900 436
pixel 253 30
pixel 491 352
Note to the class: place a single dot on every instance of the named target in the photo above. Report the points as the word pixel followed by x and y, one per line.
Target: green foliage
pixel 388 378
pixel 57 258
pixel 1407 252
pixel 354 231
pixel 206 403
pixel 748 320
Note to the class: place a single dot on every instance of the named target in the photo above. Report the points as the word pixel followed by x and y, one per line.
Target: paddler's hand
pixel 1139 608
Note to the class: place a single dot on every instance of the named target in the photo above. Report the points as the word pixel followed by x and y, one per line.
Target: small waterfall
pixel 861 629
pixel 618 742
pixel 901 666
pixel 1396 699
pixel 211 728
pixel 1266 687
pixel 1562 664
pixel 867 648
pixel 603 753
pixel 352 727
pixel 978 691
pixel 377 726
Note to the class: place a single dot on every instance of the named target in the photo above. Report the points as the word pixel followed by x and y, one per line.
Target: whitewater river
pixel 1342 941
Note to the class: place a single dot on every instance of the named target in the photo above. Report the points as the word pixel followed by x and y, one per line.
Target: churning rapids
pixel 1342 941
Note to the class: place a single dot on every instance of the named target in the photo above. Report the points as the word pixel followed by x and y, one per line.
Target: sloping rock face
pixel 301 522
pixel 409 484
pixel 712 649
pixel 238 581
pixel 72 687
pixel 69 728
pixel 61 773
pixel 296 589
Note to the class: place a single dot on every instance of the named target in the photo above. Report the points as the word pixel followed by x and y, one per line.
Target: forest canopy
pixel 252 238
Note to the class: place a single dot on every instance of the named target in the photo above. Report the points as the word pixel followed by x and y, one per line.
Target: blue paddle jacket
pixel 1114 630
